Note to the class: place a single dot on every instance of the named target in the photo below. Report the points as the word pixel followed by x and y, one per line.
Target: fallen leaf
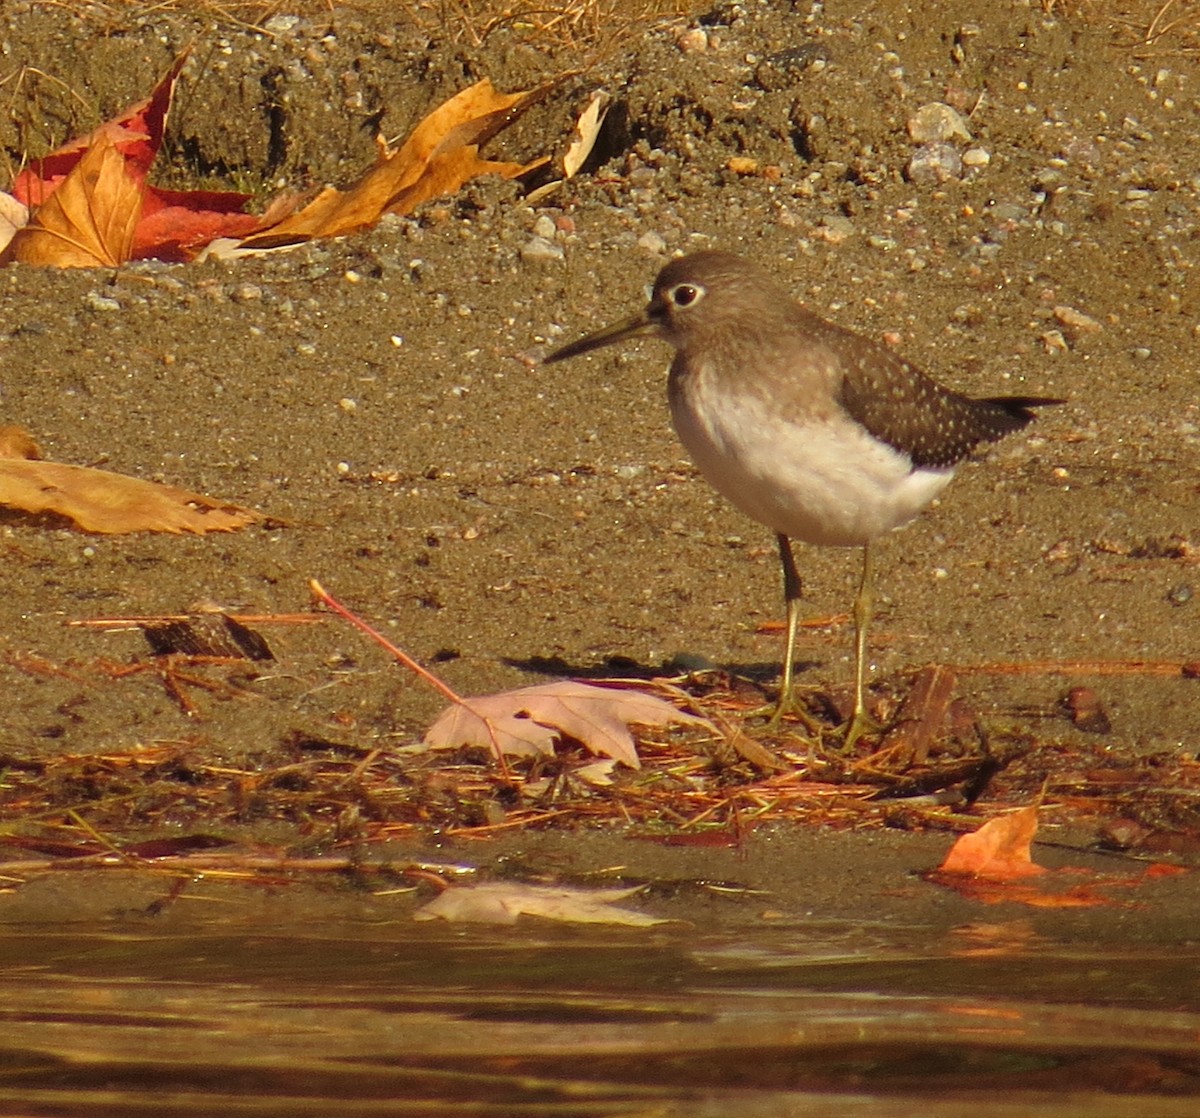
pixel 136 134
pixel 438 157
pixel 998 851
pixel 16 442
pixel 14 215
pixel 921 715
pixel 993 865
pixel 89 220
pixel 166 225
pixel 587 128
pixel 176 225
pixel 530 721
pixel 502 902
pixel 100 501
pixel 92 205
pixel 598 773
pixel 206 634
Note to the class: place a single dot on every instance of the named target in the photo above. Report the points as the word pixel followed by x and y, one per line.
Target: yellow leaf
pixel 438 157
pixel 89 221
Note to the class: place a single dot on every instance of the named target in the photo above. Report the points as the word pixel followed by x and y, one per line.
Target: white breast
pixel 823 481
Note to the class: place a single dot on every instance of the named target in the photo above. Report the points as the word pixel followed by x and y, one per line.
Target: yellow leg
pixel 786 703
pixel 861 722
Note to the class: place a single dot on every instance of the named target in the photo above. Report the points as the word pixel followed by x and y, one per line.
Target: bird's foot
pixel 860 723
pixel 789 708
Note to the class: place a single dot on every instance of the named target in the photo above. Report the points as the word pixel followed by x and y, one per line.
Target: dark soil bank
pixel 381 396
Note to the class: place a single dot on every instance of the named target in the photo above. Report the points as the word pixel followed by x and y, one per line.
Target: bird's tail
pixel 1019 408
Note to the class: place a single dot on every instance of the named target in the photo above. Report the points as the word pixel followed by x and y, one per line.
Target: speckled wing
pixel 911 412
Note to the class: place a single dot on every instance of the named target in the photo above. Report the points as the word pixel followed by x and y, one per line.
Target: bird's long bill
pixel 637 326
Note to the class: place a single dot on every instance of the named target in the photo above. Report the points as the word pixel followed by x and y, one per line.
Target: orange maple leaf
pixel 998 851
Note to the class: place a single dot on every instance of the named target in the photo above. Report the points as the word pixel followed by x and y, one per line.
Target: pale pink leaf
pixel 530 721
pixel 501 902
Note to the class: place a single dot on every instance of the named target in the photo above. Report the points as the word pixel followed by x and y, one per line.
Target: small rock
pixel 1180 595
pixel 1054 341
pixel 1087 711
pixel 538 250
pixel 1076 320
pixel 544 227
pixel 835 228
pixel 1003 212
pixel 97 302
pixel 693 41
pixel 652 242
pixel 932 164
pixel 976 157
pixel 281 25
pixel 937 122
pixel 1123 834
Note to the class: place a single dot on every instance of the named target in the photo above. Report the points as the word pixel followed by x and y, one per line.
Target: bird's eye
pixel 685 294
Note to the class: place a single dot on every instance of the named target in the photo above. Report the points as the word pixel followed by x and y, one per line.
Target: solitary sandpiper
pixel 819 433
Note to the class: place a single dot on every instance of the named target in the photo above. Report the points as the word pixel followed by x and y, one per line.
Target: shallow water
pixel 374 1017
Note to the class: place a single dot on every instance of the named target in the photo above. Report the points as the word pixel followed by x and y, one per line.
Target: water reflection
pixel 399 1018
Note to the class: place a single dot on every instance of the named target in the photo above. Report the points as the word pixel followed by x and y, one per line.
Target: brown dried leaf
pixel 99 501
pixel 438 157
pixel 502 902
pixel 90 220
pixel 529 721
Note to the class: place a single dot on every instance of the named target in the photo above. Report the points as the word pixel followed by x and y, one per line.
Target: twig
pixel 325 598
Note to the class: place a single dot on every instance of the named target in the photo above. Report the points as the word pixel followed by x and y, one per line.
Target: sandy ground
pixel 381 396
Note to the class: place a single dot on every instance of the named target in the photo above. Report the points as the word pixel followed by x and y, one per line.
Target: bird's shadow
pixel 763 674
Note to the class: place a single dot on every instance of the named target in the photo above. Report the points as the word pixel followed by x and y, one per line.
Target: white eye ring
pixel 685 295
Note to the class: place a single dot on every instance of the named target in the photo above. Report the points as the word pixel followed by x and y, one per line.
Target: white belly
pixel 827 482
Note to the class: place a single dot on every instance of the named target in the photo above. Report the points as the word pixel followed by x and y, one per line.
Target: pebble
pixel 1054 341
pixel 97 302
pixel 280 25
pixel 933 164
pixel 544 227
pixel 1008 211
pixel 1180 595
pixel 1076 320
pixel 652 242
pixel 935 122
pixel 836 228
pixel 976 157
pixel 693 41
pixel 538 250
